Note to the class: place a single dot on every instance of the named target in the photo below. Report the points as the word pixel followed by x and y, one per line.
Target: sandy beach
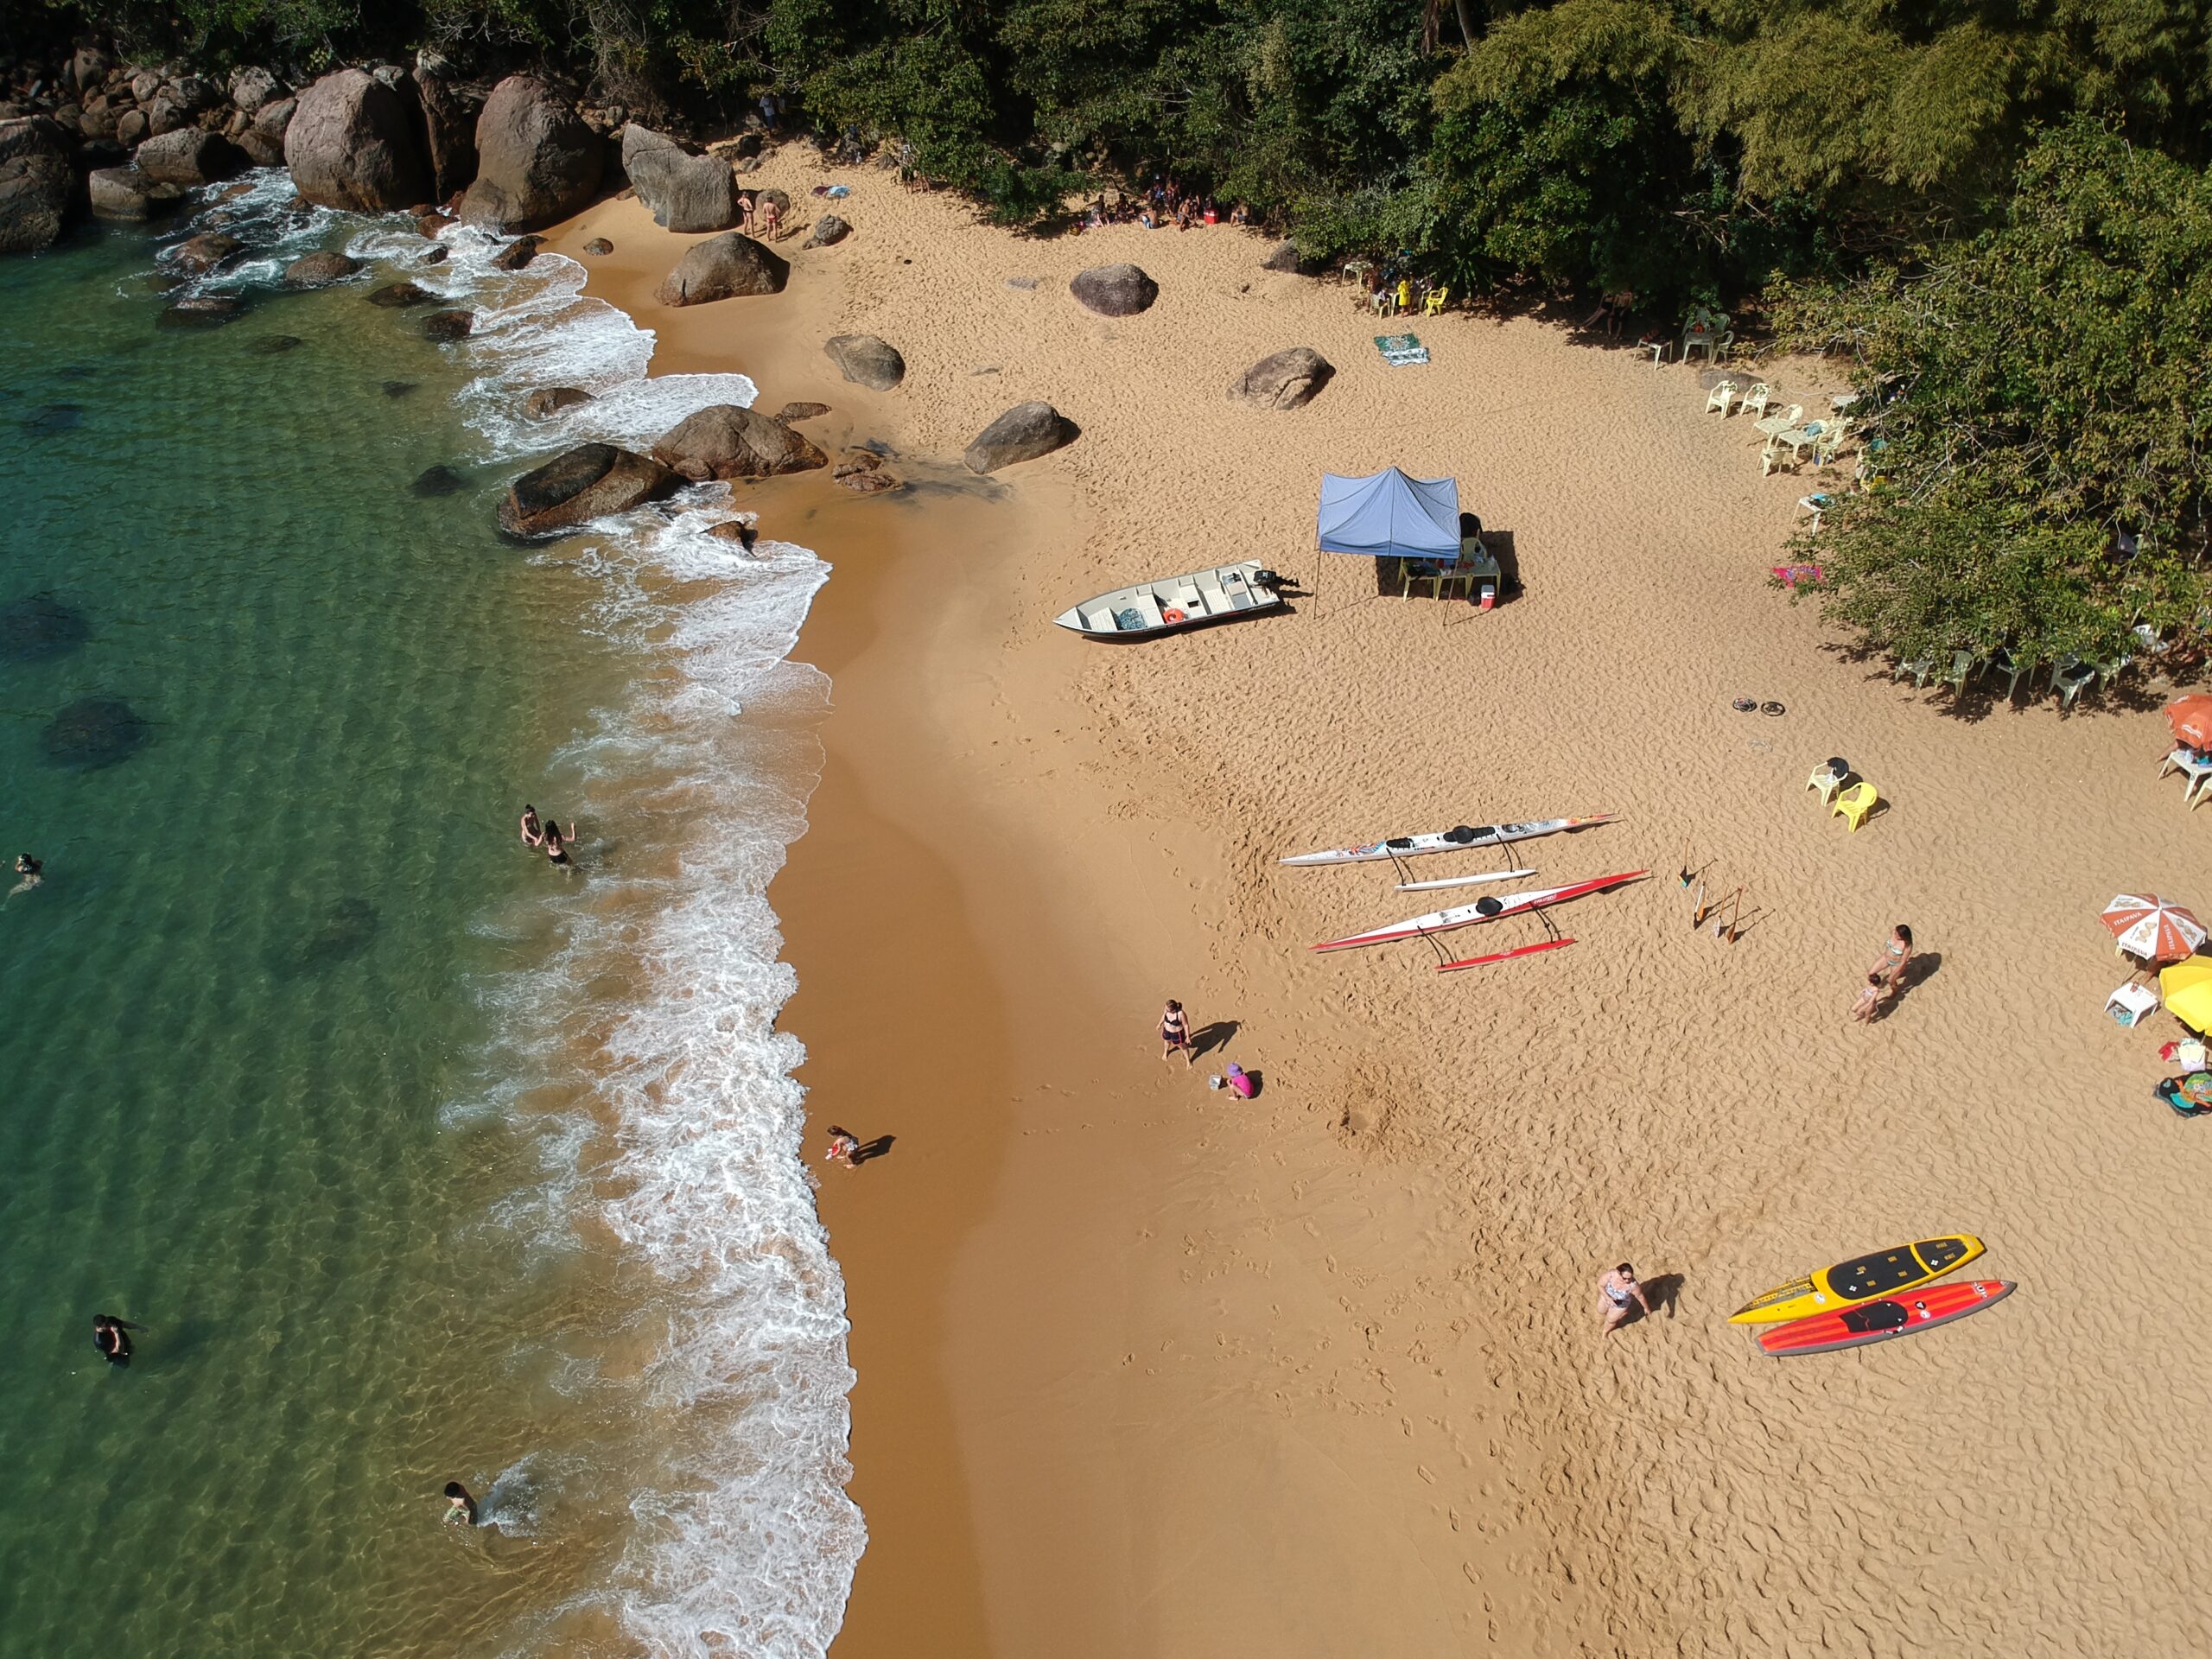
pixel 1145 1369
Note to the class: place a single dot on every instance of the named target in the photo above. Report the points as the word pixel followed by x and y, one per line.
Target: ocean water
pixel 417 1158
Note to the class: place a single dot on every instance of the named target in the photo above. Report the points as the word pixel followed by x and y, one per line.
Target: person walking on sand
pixel 460 1508
pixel 844 1147
pixel 1617 1293
pixel 533 833
pixel 1870 1000
pixel 1175 1032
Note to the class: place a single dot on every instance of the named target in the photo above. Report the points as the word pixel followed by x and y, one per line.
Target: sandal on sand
pixel 1772 708
pixel 1744 705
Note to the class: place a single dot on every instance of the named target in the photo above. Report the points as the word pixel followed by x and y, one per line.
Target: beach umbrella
pixel 2187 988
pixel 2147 926
pixel 2191 719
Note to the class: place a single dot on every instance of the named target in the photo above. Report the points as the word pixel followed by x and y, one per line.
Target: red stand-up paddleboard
pixel 1899 1316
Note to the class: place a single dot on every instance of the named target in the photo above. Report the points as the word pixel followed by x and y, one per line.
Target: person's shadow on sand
pixel 1922 967
pixel 1663 1292
pixel 1206 1039
pixel 878 1147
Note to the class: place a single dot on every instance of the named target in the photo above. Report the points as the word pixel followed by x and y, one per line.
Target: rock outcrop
pixel 1282 257
pixel 1023 433
pixel 202 311
pixel 264 139
pixel 549 401
pixel 827 230
pixel 253 88
pixel 721 268
pixel 536 162
pixel 686 191
pixel 398 295
pixel 35 182
pixel 449 118
pixel 727 442
pixel 1283 381
pixel 866 361
pixel 320 269
pixel 518 253
pixel 1114 290
pixel 599 245
pixel 790 412
pixel 583 484
pixel 94 732
pixel 197 255
pixel 449 324
pixel 189 155
pixel 126 194
pixel 350 142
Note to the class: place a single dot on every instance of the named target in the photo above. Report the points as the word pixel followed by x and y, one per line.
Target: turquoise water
pixel 248 1069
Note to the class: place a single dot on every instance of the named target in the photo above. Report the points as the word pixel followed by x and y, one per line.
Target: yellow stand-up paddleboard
pixel 1862 1278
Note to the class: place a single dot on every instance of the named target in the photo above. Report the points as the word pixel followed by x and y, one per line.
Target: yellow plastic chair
pixel 1855 804
pixel 1433 307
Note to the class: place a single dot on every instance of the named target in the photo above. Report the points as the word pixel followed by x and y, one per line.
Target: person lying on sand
pixel 1618 1292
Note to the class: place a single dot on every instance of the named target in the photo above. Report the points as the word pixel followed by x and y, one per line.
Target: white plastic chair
pixel 2195 771
pixel 1721 397
pixel 1757 398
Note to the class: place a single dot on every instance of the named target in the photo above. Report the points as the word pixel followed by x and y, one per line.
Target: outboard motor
pixel 1267 579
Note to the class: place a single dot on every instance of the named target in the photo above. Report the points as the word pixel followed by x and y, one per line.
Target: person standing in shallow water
pixel 556 847
pixel 533 833
pixel 111 1337
pixel 460 1508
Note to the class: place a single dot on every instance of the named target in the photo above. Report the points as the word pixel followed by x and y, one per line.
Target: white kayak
pixel 1151 608
pixel 1483 909
pixel 1446 840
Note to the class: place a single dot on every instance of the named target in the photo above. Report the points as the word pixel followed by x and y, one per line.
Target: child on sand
pixel 1869 999
pixel 844 1147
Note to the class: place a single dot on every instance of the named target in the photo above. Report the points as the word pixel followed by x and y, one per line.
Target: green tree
pixel 2043 414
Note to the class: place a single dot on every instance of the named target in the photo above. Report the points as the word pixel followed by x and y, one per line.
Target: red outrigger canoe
pixel 1897 1316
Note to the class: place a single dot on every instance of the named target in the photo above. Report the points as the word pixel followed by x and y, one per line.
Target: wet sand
pixel 1143 1371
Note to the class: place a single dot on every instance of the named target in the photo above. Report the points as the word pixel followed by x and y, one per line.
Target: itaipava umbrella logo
pixel 2149 927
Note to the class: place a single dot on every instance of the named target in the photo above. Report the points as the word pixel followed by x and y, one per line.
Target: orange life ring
pixel 1171 614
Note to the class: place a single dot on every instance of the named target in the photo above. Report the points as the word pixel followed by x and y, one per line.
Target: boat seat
pixel 1211 597
pixel 1100 621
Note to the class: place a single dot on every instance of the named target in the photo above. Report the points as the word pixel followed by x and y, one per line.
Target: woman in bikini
pixel 533 833
pixel 1175 1032
pixel 555 849
pixel 1897 951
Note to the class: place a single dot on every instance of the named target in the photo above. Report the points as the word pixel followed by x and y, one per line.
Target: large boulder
pixel 685 192
pixel 1281 256
pixel 516 254
pixel 537 163
pixel 449 324
pixel 189 155
pixel 449 118
pixel 264 138
pixel 585 483
pixel 1282 381
pixel 721 268
pixel 727 442
pixel 320 269
pixel 866 361
pixel 548 401
pixel 350 142
pixel 35 183
pixel 199 254
pixel 252 86
pixel 1114 290
pixel 1023 433
pixel 126 194
pixel 827 230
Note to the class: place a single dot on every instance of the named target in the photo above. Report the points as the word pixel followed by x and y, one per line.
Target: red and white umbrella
pixel 2147 926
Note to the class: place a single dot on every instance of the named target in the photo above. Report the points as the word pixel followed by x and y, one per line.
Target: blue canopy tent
pixel 1390 516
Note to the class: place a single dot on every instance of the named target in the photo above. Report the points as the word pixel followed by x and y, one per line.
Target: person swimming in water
pixel 533 833
pixel 460 1508
pixel 28 868
pixel 111 1337
pixel 557 849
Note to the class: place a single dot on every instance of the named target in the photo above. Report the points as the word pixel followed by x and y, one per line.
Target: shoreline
pixel 1139 1375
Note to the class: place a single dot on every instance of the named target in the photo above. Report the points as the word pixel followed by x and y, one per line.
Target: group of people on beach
pixel 547 837
pixel 1164 204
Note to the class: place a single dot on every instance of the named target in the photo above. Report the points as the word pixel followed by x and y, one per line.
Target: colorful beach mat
pixel 1399 349
pixel 1790 574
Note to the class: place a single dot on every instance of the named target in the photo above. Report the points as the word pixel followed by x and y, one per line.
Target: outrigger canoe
pixel 1151 608
pixel 1879 1273
pixel 1483 909
pixel 1901 1316
pixel 1448 841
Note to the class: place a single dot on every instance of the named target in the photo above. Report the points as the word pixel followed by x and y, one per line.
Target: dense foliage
pixel 2044 440
pixel 2036 306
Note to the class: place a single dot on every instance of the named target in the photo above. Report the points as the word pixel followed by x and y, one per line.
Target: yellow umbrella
pixel 2187 988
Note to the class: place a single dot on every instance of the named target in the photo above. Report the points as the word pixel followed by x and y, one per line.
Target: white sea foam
pixel 742 1540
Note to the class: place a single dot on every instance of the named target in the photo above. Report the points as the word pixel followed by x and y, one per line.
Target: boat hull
pixel 1863 1278
pixel 1884 1318
pixel 1445 840
pixel 1483 909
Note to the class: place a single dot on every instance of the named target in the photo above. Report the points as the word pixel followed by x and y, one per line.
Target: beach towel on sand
pixel 1400 349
